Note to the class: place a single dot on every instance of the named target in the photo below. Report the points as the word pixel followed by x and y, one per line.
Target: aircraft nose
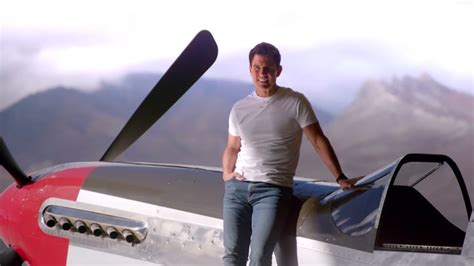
pixel 7 208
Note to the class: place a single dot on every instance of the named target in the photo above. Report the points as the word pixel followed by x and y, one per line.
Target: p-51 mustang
pixel 415 210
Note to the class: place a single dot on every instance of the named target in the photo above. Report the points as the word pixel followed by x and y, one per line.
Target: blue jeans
pixel 254 215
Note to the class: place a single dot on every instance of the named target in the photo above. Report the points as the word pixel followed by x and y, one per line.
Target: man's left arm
pixel 322 146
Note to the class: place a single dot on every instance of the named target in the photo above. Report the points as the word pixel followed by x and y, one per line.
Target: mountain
pixel 64 124
pixel 386 120
pixel 404 115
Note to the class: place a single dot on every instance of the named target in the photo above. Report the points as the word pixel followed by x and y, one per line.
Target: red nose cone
pixel 19 209
pixel 7 207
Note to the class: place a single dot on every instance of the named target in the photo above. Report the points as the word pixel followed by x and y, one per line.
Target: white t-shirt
pixel 270 130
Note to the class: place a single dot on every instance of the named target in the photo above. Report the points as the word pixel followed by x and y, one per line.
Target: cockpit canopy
pixel 416 203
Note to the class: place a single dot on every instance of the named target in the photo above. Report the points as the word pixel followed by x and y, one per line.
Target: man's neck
pixel 266 92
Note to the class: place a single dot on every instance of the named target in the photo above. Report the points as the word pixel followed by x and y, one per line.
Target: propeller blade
pixel 7 161
pixel 193 62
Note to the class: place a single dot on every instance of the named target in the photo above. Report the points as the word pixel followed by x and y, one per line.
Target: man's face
pixel 264 72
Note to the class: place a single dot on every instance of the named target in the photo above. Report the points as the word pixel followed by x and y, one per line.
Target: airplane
pixel 413 211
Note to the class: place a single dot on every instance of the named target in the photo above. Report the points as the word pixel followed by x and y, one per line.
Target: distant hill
pixel 386 120
pixel 405 115
pixel 63 124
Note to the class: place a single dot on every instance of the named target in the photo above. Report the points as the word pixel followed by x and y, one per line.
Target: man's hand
pixel 348 183
pixel 229 176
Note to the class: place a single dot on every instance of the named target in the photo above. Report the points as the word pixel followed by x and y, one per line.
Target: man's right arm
pixel 229 158
pixel 323 147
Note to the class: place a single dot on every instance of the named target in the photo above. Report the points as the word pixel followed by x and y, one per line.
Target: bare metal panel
pixel 167 241
pixel 187 189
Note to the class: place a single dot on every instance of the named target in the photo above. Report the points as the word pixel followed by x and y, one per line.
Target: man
pixel 260 160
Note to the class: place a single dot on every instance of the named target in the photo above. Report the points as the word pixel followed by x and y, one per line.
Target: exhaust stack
pixel 112 232
pixel 128 235
pixel 80 226
pixel 96 230
pixel 65 223
pixel 50 221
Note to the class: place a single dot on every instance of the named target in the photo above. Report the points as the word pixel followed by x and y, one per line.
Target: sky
pixel 329 48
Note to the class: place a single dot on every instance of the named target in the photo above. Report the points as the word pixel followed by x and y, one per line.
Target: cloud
pixel 329 45
pixel 30 63
pixel 331 73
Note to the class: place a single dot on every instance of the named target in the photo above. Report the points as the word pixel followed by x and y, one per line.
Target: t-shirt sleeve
pixel 305 113
pixel 233 128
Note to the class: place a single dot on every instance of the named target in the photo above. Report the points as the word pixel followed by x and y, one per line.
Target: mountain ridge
pixel 44 124
pixel 386 120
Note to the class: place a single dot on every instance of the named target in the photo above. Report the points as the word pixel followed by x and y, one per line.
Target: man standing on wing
pixel 260 160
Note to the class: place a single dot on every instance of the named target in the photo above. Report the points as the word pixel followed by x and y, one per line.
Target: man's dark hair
pixel 267 50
